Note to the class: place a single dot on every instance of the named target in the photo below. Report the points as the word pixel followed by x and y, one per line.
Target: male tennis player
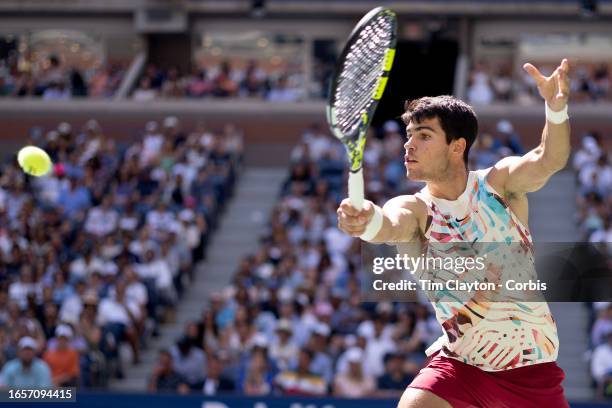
pixel 492 354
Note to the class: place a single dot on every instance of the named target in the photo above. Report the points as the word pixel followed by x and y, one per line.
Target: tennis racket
pixel 358 83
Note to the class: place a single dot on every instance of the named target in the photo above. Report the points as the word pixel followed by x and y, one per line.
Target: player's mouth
pixel 409 160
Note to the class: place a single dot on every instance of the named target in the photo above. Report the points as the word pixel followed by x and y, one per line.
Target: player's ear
pixel 459 146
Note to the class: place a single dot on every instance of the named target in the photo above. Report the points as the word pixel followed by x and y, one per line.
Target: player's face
pixel 427 153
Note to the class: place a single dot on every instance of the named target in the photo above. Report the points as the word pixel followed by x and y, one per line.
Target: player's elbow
pixel 554 163
pixel 549 162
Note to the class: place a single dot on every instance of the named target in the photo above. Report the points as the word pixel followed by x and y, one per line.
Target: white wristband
pixel 556 117
pixel 374 226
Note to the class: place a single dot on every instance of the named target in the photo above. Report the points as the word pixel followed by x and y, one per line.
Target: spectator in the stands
pixel 283 92
pixel 479 90
pixel 283 350
pixel 507 137
pixel 301 381
pixel 189 362
pixel 27 370
pixel 215 382
pixel 254 81
pixel 164 378
pixel 602 325
pixel 589 151
pixel 56 91
pixel 601 366
pixel 75 199
pixel 172 86
pixel 198 85
pixel 102 220
pixel 322 364
pixel 395 379
pixel 78 86
pixel 597 177
pixel 63 360
pixel 224 83
pixel 118 316
pixel 144 92
pixel 354 383
pixel 258 376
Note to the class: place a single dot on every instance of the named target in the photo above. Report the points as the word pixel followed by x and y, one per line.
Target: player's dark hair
pixel 457 118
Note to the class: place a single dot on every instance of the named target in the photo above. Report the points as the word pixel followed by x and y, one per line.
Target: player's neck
pixel 451 186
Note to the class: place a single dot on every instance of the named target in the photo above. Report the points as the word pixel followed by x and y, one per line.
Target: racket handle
pixel 355 188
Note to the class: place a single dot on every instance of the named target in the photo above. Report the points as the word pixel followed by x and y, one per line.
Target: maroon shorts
pixel 466 386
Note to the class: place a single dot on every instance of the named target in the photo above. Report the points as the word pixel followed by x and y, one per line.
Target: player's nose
pixel 408 144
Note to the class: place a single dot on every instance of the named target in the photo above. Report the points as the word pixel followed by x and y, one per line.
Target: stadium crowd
pixel 96 254
pixel 594 202
pixel 502 83
pixel 294 321
pixel 55 81
pixel 223 81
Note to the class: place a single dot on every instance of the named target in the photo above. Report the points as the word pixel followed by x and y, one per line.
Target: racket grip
pixel 355 188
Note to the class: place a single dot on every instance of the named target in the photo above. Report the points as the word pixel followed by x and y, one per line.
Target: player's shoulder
pixel 497 175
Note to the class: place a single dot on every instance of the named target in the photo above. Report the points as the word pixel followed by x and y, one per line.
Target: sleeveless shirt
pixel 495 335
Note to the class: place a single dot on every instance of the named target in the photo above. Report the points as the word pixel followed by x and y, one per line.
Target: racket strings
pixel 364 64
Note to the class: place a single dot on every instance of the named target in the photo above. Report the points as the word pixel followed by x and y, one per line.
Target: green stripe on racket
pixel 358 83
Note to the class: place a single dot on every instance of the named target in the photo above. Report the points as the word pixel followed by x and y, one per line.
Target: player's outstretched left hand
pixel 555 88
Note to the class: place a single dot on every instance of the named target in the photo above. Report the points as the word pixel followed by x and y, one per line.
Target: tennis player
pixel 491 354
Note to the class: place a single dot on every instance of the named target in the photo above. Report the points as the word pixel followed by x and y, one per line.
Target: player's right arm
pixel 403 219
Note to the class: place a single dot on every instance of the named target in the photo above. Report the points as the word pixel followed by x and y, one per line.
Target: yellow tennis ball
pixel 34 161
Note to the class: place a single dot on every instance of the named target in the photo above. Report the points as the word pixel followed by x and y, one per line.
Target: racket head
pixel 359 80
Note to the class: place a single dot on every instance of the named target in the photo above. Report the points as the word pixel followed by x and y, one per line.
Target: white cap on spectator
pixel 175 227
pixel 322 330
pixel 265 271
pixel 384 307
pixel 391 126
pixel 186 215
pixel 285 294
pixel 170 121
pixel 354 355
pixel 151 126
pixel 109 269
pixel 27 342
pixel 260 340
pixel 63 330
pixel 64 128
pixel 590 144
pixel 52 135
pixel 284 325
pixel 504 126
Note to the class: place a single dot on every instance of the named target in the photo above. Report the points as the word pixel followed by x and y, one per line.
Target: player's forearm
pixel 555 145
pixel 395 228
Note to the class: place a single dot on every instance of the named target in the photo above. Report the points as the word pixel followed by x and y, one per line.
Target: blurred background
pixel 185 242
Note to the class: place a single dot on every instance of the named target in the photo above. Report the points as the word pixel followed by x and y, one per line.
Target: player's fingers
pixel 348 208
pixel 534 73
pixel 351 220
pixel 354 231
pixel 565 66
pixel 562 84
